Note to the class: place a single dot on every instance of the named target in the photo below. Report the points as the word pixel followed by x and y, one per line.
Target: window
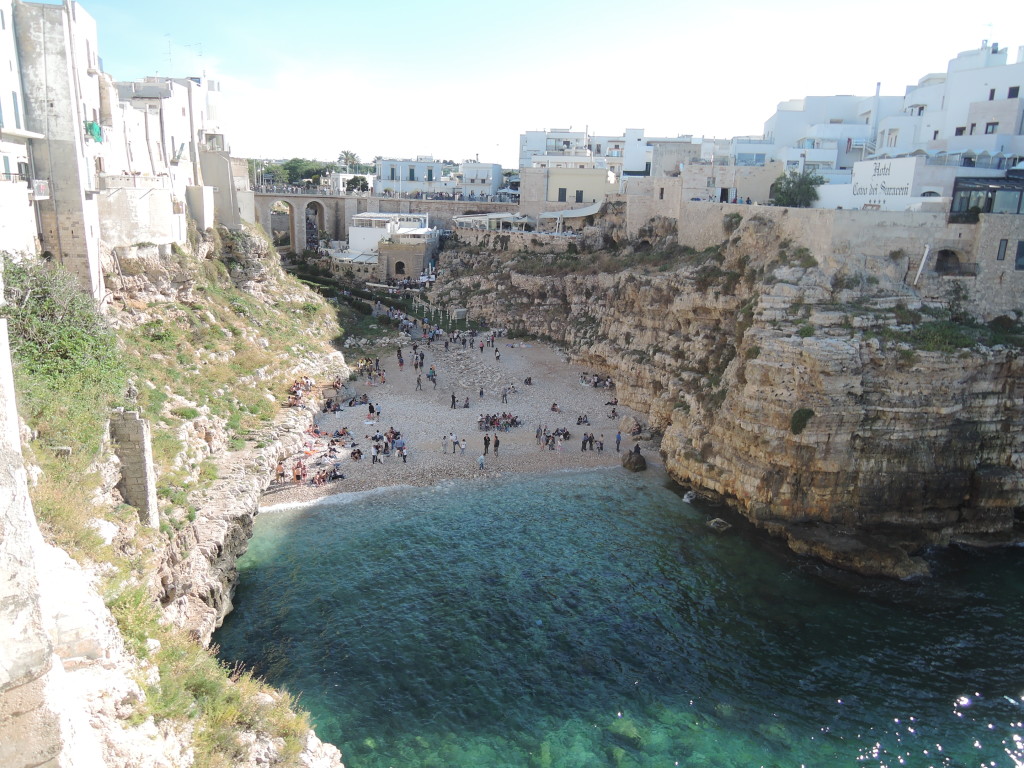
pixel 393 174
pixel 992 94
pixel 894 137
pixel 661 193
pixel 935 135
pixel 959 131
pixel 17 112
pixel 561 194
pixel 412 173
pixel 1019 261
pixel 1013 92
pixel 430 174
pixel 99 165
pixel 991 127
pixel 973 126
pixel 579 195
pixel 1001 253
pixel 1006 201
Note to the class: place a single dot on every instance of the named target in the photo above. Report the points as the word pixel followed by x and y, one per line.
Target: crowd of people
pixel 498 422
pixel 329 446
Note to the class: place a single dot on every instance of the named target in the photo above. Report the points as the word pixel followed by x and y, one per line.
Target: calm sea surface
pixel 592 619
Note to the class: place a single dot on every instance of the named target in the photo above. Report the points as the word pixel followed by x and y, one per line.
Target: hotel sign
pixel 877 181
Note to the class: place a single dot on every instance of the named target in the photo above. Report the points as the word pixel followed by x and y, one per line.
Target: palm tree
pixel 348 159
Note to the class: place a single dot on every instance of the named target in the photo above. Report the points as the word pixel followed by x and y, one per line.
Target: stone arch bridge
pixel 305 214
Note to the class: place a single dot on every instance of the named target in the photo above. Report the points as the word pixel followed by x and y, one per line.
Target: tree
pixel 796 190
pixel 349 159
pixel 278 173
pixel 357 184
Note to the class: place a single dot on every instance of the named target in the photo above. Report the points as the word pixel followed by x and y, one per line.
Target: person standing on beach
pixel 618 441
pixel 453 401
pixel 480 461
pixel 419 382
pixel 487 443
pixel 583 445
pixel 455 443
pixel 444 443
pixel 497 442
pixel 462 447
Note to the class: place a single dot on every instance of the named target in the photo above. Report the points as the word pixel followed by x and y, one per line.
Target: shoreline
pixel 423 416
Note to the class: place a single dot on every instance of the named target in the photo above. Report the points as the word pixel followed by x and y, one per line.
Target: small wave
pixel 345 497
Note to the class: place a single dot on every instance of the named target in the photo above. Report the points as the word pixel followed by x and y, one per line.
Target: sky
pixel 461 79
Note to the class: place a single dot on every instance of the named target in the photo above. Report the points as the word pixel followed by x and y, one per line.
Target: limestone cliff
pixel 214 331
pixel 826 397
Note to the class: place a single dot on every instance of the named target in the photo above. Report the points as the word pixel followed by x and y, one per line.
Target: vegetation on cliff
pixel 207 367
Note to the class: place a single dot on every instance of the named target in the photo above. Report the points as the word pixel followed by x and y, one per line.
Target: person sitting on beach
pixel 466 404
pixel 613 401
pixel 555 408
pixel 528 381
pixel 614 414
pixel 356 455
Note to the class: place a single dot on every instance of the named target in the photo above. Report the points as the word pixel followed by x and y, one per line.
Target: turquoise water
pixel 592 619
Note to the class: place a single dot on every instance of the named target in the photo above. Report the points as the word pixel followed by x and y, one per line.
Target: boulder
pixel 634 462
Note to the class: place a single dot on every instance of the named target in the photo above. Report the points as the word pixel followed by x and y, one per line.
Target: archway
pixel 282 224
pixel 399 268
pixel 947 263
pixel 314 224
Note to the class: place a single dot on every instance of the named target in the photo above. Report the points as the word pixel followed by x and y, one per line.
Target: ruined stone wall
pixel 505 242
pixel 134 448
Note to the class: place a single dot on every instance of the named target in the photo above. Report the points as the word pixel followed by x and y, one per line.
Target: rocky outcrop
pixel 834 405
pixel 634 461
pixel 197 575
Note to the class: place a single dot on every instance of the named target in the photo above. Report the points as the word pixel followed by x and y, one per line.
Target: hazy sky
pixel 456 79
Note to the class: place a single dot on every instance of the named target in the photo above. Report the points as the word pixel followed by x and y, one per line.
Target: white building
pixel 825 134
pixel 479 180
pixel 627 154
pixel 17 190
pixel 367 230
pixel 65 100
pixel 970 116
pixel 409 178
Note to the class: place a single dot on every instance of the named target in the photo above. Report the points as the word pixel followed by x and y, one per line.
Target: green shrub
pixel 805 330
pixel 187 413
pixel 799 420
pixel 67 367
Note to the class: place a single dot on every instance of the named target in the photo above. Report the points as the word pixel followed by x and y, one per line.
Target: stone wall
pixel 502 242
pixel 134 448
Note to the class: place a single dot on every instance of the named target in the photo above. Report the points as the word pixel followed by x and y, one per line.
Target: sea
pixel 592 618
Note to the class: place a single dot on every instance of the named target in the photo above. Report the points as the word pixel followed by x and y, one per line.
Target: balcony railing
pixel 12 177
pixel 963 217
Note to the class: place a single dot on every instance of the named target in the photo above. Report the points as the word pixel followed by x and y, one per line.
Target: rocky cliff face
pixel 71 689
pixel 832 405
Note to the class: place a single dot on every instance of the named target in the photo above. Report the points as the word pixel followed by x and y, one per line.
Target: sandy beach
pixel 424 416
